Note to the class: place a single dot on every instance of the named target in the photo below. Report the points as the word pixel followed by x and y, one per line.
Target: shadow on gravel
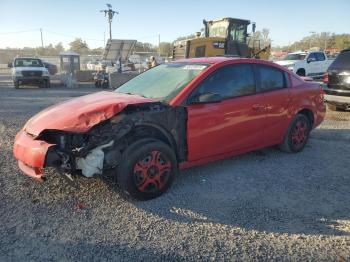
pixel 332 134
pixel 39 248
pixel 268 190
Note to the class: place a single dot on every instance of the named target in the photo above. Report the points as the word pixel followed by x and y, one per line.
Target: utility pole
pixel 109 13
pixel 41 34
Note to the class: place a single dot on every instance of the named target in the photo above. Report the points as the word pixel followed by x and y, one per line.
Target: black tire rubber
pixel 301 72
pixel 131 155
pixel 47 84
pixel 16 84
pixel 286 146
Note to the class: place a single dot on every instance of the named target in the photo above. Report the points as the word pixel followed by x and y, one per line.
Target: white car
pixel 311 64
pixel 29 71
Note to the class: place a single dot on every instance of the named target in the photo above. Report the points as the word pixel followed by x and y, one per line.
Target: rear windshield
pixel 28 62
pixel 342 61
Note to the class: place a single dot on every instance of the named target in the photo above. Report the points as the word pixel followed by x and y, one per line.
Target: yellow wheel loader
pixel 224 37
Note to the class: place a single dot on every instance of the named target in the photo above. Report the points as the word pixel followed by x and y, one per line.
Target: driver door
pixel 233 124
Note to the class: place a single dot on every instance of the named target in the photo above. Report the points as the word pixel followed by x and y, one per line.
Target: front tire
pixel 147 169
pixel 47 84
pixel 297 135
pixel 301 72
pixel 16 84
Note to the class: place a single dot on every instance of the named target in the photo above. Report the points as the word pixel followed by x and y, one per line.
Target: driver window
pixel 229 81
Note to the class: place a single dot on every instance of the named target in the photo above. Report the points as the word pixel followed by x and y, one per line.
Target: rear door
pixel 311 65
pixel 235 123
pixel 322 64
pixel 275 86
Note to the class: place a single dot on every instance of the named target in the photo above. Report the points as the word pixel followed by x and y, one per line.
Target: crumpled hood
pixel 286 62
pixel 82 113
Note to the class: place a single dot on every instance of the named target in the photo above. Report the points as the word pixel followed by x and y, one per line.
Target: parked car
pixel 311 64
pixel 337 81
pixel 29 71
pixel 51 68
pixel 175 115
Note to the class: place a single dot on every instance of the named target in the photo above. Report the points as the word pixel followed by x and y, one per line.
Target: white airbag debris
pixel 92 163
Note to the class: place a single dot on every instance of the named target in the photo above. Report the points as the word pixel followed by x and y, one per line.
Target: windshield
pixel 163 82
pixel 28 62
pixel 295 57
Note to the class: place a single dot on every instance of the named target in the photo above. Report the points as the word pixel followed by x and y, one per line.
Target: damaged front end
pixel 101 148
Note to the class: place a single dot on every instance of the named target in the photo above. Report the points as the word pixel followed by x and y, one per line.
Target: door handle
pixel 258 107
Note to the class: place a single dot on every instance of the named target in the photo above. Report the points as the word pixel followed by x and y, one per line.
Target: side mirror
pixel 206 98
pixel 9 65
pixel 311 59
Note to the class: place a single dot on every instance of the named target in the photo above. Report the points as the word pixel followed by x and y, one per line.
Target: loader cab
pixel 229 28
pixel 222 37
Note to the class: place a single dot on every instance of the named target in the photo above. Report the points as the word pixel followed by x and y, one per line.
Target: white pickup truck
pixel 312 64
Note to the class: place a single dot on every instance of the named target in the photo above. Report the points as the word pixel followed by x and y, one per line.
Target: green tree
pixel 59 48
pixel 79 46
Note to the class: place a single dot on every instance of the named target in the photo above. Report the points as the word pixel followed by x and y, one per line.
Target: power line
pixel 18 32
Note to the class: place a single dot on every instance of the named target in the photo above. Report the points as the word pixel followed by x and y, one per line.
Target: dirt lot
pixel 265 205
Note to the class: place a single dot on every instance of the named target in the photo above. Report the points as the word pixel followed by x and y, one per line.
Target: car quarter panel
pixel 308 95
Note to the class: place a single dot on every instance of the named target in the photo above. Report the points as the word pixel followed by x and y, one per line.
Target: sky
pixel 63 20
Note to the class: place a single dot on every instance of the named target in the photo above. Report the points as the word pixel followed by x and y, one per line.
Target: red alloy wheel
pixel 299 134
pixel 152 172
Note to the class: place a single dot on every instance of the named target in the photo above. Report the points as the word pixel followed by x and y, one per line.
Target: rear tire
pixel 16 84
pixel 147 169
pixel 297 135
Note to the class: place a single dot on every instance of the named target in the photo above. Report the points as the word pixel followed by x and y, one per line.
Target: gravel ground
pixel 265 205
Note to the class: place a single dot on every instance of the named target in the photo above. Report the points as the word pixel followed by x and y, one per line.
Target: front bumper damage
pixel 30 154
pixel 101 147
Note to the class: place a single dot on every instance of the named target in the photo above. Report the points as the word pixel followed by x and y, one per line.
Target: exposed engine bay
pixel 101 147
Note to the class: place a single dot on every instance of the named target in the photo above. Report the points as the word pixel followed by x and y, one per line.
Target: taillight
pixel 326 78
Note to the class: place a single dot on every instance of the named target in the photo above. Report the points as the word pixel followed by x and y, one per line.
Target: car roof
pixel 219 60
pixel 298 53
pixel 209 60
pixel 27 57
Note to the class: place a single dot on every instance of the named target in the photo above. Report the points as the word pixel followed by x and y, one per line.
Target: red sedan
pixel 176 115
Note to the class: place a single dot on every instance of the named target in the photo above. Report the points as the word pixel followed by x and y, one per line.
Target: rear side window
pixel 271 78
pixel 342 61
pixel 320 56
pixel 229 81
